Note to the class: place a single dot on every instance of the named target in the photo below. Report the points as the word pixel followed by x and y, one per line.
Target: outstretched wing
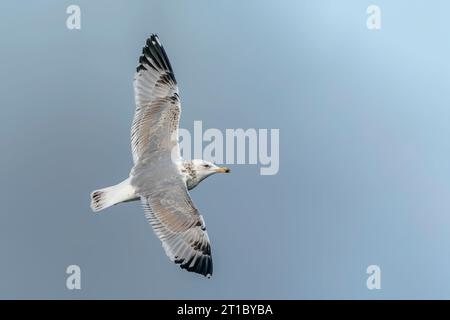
pixel 155 177
pixel 156 118
pixel 174 218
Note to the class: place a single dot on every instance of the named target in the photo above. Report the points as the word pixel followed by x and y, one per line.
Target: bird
pixel 160 178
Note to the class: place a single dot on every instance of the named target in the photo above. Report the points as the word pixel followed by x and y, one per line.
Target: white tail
pixel 107 197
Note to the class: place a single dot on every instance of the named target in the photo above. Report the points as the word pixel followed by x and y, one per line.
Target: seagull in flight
pixel 160 178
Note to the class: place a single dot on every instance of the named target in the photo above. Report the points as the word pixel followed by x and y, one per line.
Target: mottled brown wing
pixel 158 107
pixel 176 221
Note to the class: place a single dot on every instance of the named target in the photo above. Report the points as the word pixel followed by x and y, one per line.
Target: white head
pixel 197 170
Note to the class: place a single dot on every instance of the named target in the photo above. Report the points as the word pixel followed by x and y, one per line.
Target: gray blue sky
pixel 364 151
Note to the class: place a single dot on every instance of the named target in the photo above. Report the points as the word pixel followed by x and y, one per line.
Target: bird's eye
pixel 207 166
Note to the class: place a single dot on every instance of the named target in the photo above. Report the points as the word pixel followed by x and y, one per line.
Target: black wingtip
pixel 159 59
pixel 202 265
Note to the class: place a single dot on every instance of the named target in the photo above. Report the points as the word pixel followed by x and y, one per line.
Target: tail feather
pixel 100 200
pixel 107 197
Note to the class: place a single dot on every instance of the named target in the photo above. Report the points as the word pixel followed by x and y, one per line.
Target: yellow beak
pixel 223 170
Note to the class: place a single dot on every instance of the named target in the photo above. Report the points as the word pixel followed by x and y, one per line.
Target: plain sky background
pixel 364 125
